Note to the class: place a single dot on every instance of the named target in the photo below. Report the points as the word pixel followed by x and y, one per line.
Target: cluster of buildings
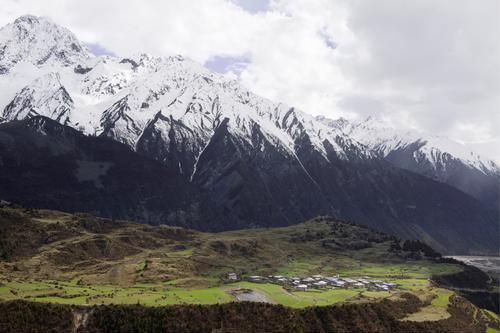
pixel 319 282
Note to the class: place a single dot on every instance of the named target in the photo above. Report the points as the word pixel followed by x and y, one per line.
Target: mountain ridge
pixel 261 163
pixel 145 81
pixel 432 156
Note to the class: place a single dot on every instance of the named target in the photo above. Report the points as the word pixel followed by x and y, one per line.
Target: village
pixel 317 282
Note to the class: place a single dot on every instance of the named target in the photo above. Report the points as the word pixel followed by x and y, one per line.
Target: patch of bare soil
pixel 249 295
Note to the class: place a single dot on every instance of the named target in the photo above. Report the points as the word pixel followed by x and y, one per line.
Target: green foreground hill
pixel 54 257
pixel 50 245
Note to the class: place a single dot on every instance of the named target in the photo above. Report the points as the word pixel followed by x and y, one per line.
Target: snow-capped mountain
pixel 44 96
pixel 124 98
pixel 437 150
pixel 433 156
pixel 261 163
pixel 39 42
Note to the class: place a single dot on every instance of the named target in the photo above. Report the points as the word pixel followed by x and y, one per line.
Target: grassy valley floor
pixel 212 291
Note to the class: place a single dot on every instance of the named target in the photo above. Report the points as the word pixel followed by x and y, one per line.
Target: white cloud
pixel 433 65
pixel 198 29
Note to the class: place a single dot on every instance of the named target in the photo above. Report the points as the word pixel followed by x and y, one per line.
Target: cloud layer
pixel 431 65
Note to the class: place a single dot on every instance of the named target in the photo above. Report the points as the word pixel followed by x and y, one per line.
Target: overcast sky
pixel 430 64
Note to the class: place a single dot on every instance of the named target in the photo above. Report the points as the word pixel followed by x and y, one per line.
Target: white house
pixel 255 278
pixel 320 284
pixel 339 283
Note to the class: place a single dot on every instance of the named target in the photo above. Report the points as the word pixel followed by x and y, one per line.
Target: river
pixel 487 264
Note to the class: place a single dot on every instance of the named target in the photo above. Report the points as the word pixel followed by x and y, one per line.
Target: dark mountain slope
pixel 249 182
pixel 45 164
pixel 236 184
pixel 257 187
pixel 484 186
pixel 375 193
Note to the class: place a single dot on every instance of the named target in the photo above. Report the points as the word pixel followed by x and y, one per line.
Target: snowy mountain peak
pixel 44 96
pixel 437 152
pixel 340 123
pixel 27 20
pixel 39 41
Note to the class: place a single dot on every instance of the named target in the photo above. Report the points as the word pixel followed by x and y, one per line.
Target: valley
pixel 150 193
pixel 81 260
pixel 485 263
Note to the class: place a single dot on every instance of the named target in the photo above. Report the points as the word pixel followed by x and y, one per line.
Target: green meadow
pixel 168 294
